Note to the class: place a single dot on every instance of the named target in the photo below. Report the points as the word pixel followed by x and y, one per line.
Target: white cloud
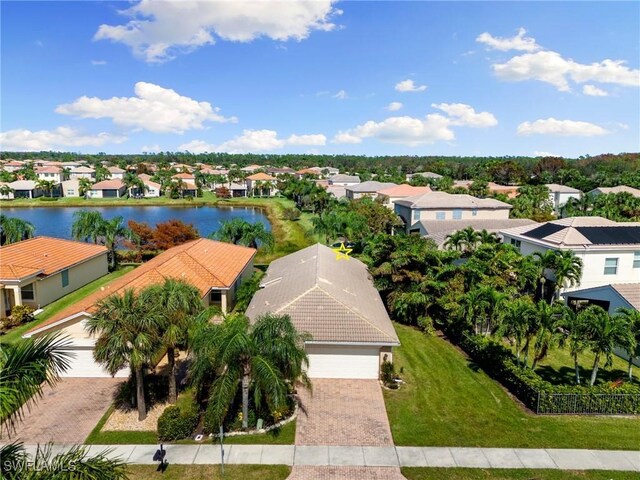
pixel 394 106
pixel 254 141
pixel 545 154
pixel 409 86
pixel 59 138
pixel 154 108
pixel 341 95
pixel 594 91
pixel 519 42
pixel 98 62
pixel 551 126
pixel 412 131
pixel 160 29
pixel 551 67
pixel 465 115
pixel 151 148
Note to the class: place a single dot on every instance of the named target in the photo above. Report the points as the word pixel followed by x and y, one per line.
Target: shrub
pixel 177 423
pixel 48 199
pixel 223 192
pixel 291 214
pixel 20 314
pixel 426 325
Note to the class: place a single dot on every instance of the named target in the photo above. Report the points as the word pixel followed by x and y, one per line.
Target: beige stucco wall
pixel 467 214
pixel 51 289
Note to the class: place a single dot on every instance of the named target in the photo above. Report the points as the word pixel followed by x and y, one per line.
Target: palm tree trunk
pixel 577 368
pixel 171 363
pixel 630 370
pixel 594 372
pixel 526 354
pixel 245 401
pixel 142 407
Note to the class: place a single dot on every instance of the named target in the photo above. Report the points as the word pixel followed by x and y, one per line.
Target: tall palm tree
pixel 84 185
pixel 13 229
pixel 632 318
pixel 112 231
pixel 25 367
pixel 267 357
pixel 567 269
pixel 178 303
pixel 548 318
pixel 240 232
pixel 128 333
pixel 574 336
pixel 604 333
pixel 46 185
pixel 87 225
pixel 518 317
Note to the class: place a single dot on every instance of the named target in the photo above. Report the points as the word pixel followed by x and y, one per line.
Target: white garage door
pixel 329 361
pixel 83 365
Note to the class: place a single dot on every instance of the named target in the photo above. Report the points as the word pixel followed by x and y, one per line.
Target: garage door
pixel 83 365
pixel 327 361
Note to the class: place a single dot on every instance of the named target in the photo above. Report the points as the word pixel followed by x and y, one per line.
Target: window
pixel 636 260
pixel 610 266
pixel 215 297
pixel 27 292
pixel 457 214
pixel 440 215
pixel 516 243
pixel 70 192
pixel 416 215
pixel 65 278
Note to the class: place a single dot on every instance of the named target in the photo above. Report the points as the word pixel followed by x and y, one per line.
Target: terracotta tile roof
pixel 115 170
pixel 44 254
pixel 48 169
pixel 333 300
pixel 204 263
pixel 260 177
pixel 403 190
pixel 115 184
pixel 184 176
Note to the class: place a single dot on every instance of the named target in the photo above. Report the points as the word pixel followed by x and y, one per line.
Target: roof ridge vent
pixel 270 282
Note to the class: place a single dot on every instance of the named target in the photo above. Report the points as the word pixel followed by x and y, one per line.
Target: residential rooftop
pixel 438 230
pixel 370 186
pixel 434 200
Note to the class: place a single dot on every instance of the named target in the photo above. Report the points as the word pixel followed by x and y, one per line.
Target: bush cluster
pixel 20 314
pixel 537 394
pixel 177 423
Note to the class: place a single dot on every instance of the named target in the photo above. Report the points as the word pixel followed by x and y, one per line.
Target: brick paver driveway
pixel 343 412
pixel 68 412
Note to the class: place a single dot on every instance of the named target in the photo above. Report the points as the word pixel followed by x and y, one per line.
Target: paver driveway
pixel 68 412
pixel 343 412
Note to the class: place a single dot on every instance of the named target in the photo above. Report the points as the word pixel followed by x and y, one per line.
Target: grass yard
pixel 53 308
pixel 209 472
pixel 557 368
pixel 447 401
pixel 512 474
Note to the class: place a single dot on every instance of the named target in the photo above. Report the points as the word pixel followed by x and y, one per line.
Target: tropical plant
pixel 87 225
pixel 13 229
pixel 266 357
pixel 632 319
pixel 112 231
pixel 604 333
pixel 46 185
pixel 127 327
pixel 25 367
pixel 241 232
pixel 574 336
pixel 72 463
pixel 84 186
pixel 6 191
pixel 178 303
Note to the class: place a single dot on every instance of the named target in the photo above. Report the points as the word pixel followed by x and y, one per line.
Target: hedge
pixel 544 397
pixel 176 424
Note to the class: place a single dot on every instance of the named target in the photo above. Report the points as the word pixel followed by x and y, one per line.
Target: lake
pixel 57 221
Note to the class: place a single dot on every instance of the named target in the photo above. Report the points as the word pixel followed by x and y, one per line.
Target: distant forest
pixel 585 172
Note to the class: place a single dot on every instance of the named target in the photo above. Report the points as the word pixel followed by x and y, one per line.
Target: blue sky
pixel 374 78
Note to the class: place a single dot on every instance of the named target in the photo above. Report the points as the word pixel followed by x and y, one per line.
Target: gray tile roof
pixel 342 178
pixel 435 200
pixel 557 188
pixel 333 300
pixel 370 186
pixel 438 230
pixel 630 292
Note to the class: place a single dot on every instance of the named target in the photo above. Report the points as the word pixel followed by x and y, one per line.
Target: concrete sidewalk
pixel 376 456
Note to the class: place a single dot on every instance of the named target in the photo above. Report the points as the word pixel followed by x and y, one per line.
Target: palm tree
pixel 518 318
pixel 13 229
pixel 17 464
pixel 46 185
pixel 548 318
pixel 567 269
pixel 268 357
pixel 5 191
pixel 240 232
pixel 87 225
pixel 25 367
pixel 604 333
pixel 84 185
pixel 127 326
pixel 112 231
pixel 133 182
pixel 632 318
pixel 574 335
pixel 177 303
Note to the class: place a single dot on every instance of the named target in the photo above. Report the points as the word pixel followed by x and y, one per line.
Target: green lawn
pixel 209 472
pixel 447 401
pixel 557 368
pixel 282 436
pixel 513 474
pixel 55 307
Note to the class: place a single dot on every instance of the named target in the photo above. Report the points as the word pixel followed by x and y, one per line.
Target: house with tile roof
pixel 216 269
pixel 40 270
pixel 107 189
pixel 82 171
pixel 388 195
pixel 446 206
pixel 331 297
pixel 261 185
pixel 439 230
pixel 609 251
pixel 366 189
pixel 559 195
pixel 619 189
pixel 50 173
pixel 25 189
pixel 342 180
pixel 116 172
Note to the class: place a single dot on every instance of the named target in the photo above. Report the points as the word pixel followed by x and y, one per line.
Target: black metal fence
pixel 587 403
